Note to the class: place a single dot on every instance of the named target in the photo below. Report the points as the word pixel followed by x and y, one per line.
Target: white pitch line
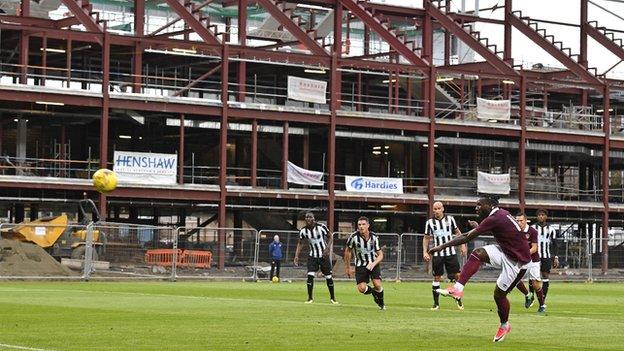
pixel 17 347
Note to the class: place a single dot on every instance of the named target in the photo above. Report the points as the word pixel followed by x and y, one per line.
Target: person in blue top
pixel 275 250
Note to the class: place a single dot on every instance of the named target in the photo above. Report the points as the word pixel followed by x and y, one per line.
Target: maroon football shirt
pixel 531 235
pixel 508 235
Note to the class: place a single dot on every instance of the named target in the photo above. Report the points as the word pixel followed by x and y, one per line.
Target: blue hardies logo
pixel 357 183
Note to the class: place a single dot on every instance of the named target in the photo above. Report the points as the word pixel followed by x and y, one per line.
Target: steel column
pixel 44 59
pixel 23 46
pixel 137 58
pixel 583 47
pixel 334 106
pixel 242 40
pixel 431 140
pixel 285 157
pixel 522 145
pixel 223 152
pixel 507 43
pixel 606 125
pixel 181 152
pixel 254 153
pixel 105 112
pixel 68 59
pixel 306 150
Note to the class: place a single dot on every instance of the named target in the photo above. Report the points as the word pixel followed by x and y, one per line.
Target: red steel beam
pixel 583 43
pixel 285 156
pixel 181 152
pixel 82 12
pixel 198 80
pixel 549 47
pixel 383 31
pixel 606 125
pixel 454 27
pixel 522 145
pixel 223 153
pixel 604 41
pixel 192 20
pixel 254 153
pixel 293 28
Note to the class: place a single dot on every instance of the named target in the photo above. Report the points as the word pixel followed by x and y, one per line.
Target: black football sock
pixel 545 284
pixel 368 290
pixel 310 286
pixel 436 297
pixel 330 287
pixel 380 297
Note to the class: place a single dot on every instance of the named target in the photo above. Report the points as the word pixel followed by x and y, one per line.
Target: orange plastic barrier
pixel 196 259
pixel 186 258
pixel 161 257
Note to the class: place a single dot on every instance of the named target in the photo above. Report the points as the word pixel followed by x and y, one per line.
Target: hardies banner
pixel 374 185
pixel 493 183
pixel 145 168
pixel 303 176
pixel 310 90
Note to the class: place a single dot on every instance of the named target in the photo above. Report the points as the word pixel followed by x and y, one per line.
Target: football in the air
pixel 275 279
pixel 104 180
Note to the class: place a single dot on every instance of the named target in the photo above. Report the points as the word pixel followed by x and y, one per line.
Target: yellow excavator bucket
pixel 43 232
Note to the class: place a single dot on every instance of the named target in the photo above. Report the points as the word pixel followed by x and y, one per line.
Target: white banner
pixel 145 168
pixel 309 90
pixel 499 110
pixel 374 185
pixel 493 183
pixel 303 176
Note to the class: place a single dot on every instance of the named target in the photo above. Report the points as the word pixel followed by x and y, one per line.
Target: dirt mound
pixel 19 259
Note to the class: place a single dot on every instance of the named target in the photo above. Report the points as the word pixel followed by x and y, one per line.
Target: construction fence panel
pixel 44 249
pixel 414 267
pixel 222 253
pixel 123 250
pixel 288 270
pixel 390 244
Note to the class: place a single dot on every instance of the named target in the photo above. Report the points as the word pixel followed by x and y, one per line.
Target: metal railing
pixel 106 250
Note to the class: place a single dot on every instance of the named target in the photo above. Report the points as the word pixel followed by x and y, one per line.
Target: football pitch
pixel 265 316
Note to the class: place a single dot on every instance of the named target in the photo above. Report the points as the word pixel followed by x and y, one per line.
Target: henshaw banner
pixel 493 183
pixel 310 90
pixel 374 185
pixel 499 110
pixel 145 168
pixel 303 176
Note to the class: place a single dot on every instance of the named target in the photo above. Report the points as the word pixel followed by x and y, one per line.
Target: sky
pixel 554 10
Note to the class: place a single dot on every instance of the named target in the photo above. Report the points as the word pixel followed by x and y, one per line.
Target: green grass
pixel 263 316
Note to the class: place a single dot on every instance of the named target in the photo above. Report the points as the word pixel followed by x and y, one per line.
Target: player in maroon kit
pixel 510 254
pixel 533 269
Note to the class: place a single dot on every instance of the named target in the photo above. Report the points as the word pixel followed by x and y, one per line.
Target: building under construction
pixel 208 81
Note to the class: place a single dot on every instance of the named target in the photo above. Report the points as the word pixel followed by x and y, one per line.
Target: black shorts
pixel 545 265
pixel 324 264
pixel 451 263
pixel 363 275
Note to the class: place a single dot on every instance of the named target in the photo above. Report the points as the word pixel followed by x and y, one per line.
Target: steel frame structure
pixel 376 18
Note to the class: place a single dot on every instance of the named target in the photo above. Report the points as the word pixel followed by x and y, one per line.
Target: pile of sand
pixel 19 259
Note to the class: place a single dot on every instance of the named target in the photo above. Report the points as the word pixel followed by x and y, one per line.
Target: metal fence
pixel 104 250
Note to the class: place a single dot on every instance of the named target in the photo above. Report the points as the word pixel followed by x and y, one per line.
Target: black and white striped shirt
pixel 442 231
pixel 316 238
pixel 365 251
pixel 545 236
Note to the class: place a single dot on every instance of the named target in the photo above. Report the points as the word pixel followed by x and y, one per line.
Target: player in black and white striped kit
pixel 545 239
pixel 368 256
pixel 441 228
pixel 320 240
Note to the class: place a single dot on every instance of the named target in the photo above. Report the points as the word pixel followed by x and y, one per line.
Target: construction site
pixel 386 91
